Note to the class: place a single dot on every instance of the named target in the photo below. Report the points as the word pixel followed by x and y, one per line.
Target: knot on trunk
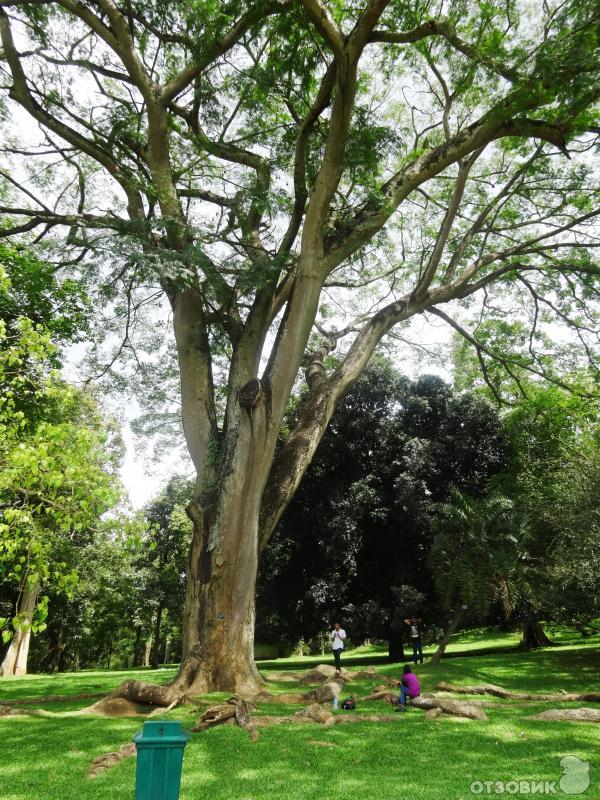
pixel 250 394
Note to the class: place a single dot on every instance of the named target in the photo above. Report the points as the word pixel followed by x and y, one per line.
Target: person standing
pixel 415 638
pixel 338 634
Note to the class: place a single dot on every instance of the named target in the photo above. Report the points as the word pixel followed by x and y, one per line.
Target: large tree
pixel 251 158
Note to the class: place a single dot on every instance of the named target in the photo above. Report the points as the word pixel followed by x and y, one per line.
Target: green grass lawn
pixel 411 758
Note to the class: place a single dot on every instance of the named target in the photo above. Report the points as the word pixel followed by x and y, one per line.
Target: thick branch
pixel 444 231
pixel 442 28
pixel 326 25
pixel 197 390
pixel 300 191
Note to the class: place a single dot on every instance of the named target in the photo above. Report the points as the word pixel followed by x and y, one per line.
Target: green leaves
pixel 55 470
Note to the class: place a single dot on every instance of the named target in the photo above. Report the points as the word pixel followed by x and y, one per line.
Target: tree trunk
pixel 218 625
pixel 147 649
pixel 437 656
pixel 167 650
pixel 396 648
pixel 155 657
pixel 15 660
pixel 56 663
pixel 137 648
pixel 533 635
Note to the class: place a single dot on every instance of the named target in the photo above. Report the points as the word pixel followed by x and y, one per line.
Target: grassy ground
pixel 46 758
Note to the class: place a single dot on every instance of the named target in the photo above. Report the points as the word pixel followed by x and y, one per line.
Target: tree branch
pixel 219 47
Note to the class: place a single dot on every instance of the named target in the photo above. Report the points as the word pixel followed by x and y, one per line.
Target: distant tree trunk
pixel 396 648
pixel 15 660
pixel 138 648
pixel 58 653
pixel 167 650
pixel 533 635
pixel 437 656
pixel 155 658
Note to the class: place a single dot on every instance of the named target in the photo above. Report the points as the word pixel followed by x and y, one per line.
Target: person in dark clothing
pixel 414 625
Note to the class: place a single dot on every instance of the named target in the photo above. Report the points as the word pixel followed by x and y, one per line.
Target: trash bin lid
pixel 161 733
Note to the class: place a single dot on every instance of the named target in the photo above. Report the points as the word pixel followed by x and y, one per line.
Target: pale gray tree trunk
pixel 15 660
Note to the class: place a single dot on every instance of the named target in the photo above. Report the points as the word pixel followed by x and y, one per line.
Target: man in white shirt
pixel 338 634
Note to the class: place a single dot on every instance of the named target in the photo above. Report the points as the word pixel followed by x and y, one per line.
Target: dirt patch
pixel 321 744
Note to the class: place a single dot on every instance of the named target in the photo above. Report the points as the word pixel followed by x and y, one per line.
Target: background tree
pixel 354 539
pixel 247 158
pixel 163 561
pixel 55 479
pixel 472 555
pixel 91 625
pixel 552 475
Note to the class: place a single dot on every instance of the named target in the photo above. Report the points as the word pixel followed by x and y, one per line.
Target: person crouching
pixel 409 688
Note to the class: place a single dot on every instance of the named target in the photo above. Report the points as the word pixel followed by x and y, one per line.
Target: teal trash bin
pixel 160 748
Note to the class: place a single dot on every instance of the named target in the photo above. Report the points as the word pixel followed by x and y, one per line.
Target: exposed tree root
pixel 108 760
pixel 498 691
pixel 115 707
pixel 454 708
pixel 149 694
pixel 568 715
pixel 235 710
pixel 382 693
pixel 427 702
pixel 324 672
pixel 52 698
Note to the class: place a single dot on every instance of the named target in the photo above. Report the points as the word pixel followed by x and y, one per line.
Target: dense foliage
pixel 355 539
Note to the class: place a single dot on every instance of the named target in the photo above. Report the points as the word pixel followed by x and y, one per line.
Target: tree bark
pixel 533 635
pixel 15 660
pixel 218 625
pixel 437 656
